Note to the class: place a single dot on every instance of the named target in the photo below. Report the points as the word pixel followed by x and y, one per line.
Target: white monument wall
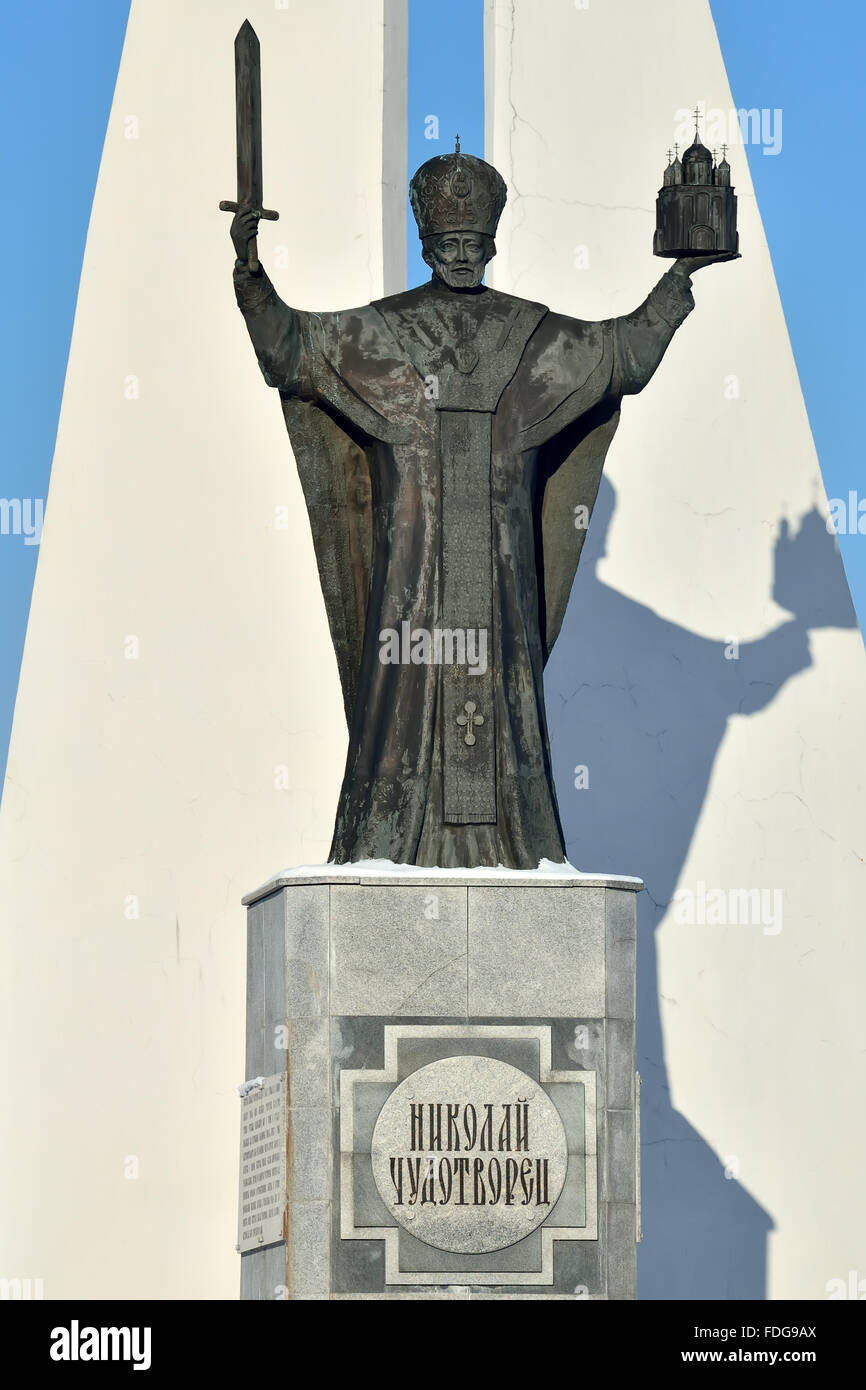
pixel 736 773
pixel 179 732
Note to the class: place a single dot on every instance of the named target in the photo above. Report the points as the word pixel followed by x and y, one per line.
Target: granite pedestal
pixel 441 1099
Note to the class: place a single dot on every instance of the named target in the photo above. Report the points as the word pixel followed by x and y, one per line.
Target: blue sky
pixel 446 82
pixel 57 70
pixel 808 60
pixel 58 64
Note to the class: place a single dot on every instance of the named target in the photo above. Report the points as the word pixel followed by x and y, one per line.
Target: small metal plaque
pixel 262 1203
pixel 469 1154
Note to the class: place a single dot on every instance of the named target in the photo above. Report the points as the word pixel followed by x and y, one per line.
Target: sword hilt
pixel 252 246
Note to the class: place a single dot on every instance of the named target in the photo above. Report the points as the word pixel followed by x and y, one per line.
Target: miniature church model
pixel 696 209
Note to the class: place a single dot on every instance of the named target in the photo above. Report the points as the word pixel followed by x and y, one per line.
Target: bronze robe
pixel 444 441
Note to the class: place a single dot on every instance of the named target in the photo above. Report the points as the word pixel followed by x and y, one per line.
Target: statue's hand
pixel 245 226
pixel 687 265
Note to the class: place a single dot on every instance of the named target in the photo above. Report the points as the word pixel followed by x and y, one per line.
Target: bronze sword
pixel 248 103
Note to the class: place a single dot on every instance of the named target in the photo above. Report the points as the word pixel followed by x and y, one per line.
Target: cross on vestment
pixel 469 720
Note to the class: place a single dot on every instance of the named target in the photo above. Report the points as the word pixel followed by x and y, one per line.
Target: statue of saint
pixel 447 440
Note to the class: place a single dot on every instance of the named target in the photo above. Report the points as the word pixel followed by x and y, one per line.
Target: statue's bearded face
pixel 459 258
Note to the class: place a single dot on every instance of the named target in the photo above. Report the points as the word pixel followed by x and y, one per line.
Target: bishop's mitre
pixel 457 193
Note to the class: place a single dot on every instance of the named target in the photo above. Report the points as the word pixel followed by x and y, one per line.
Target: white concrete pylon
pixel 179 730
pixel 721 738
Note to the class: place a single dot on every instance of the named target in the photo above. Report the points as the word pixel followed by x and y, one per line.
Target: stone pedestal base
pixel 441 1086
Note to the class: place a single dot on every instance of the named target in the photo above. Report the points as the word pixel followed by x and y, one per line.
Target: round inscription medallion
pixel 469 1154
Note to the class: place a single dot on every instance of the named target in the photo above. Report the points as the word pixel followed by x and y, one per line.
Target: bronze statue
pixel 447 440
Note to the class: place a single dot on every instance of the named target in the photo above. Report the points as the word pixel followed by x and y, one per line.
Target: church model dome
pixel 696 209
pixel 697 163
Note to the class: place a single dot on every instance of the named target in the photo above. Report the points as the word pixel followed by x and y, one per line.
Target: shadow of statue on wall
pixel 643 705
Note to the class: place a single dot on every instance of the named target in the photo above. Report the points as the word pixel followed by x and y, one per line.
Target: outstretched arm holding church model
pixel 643 337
